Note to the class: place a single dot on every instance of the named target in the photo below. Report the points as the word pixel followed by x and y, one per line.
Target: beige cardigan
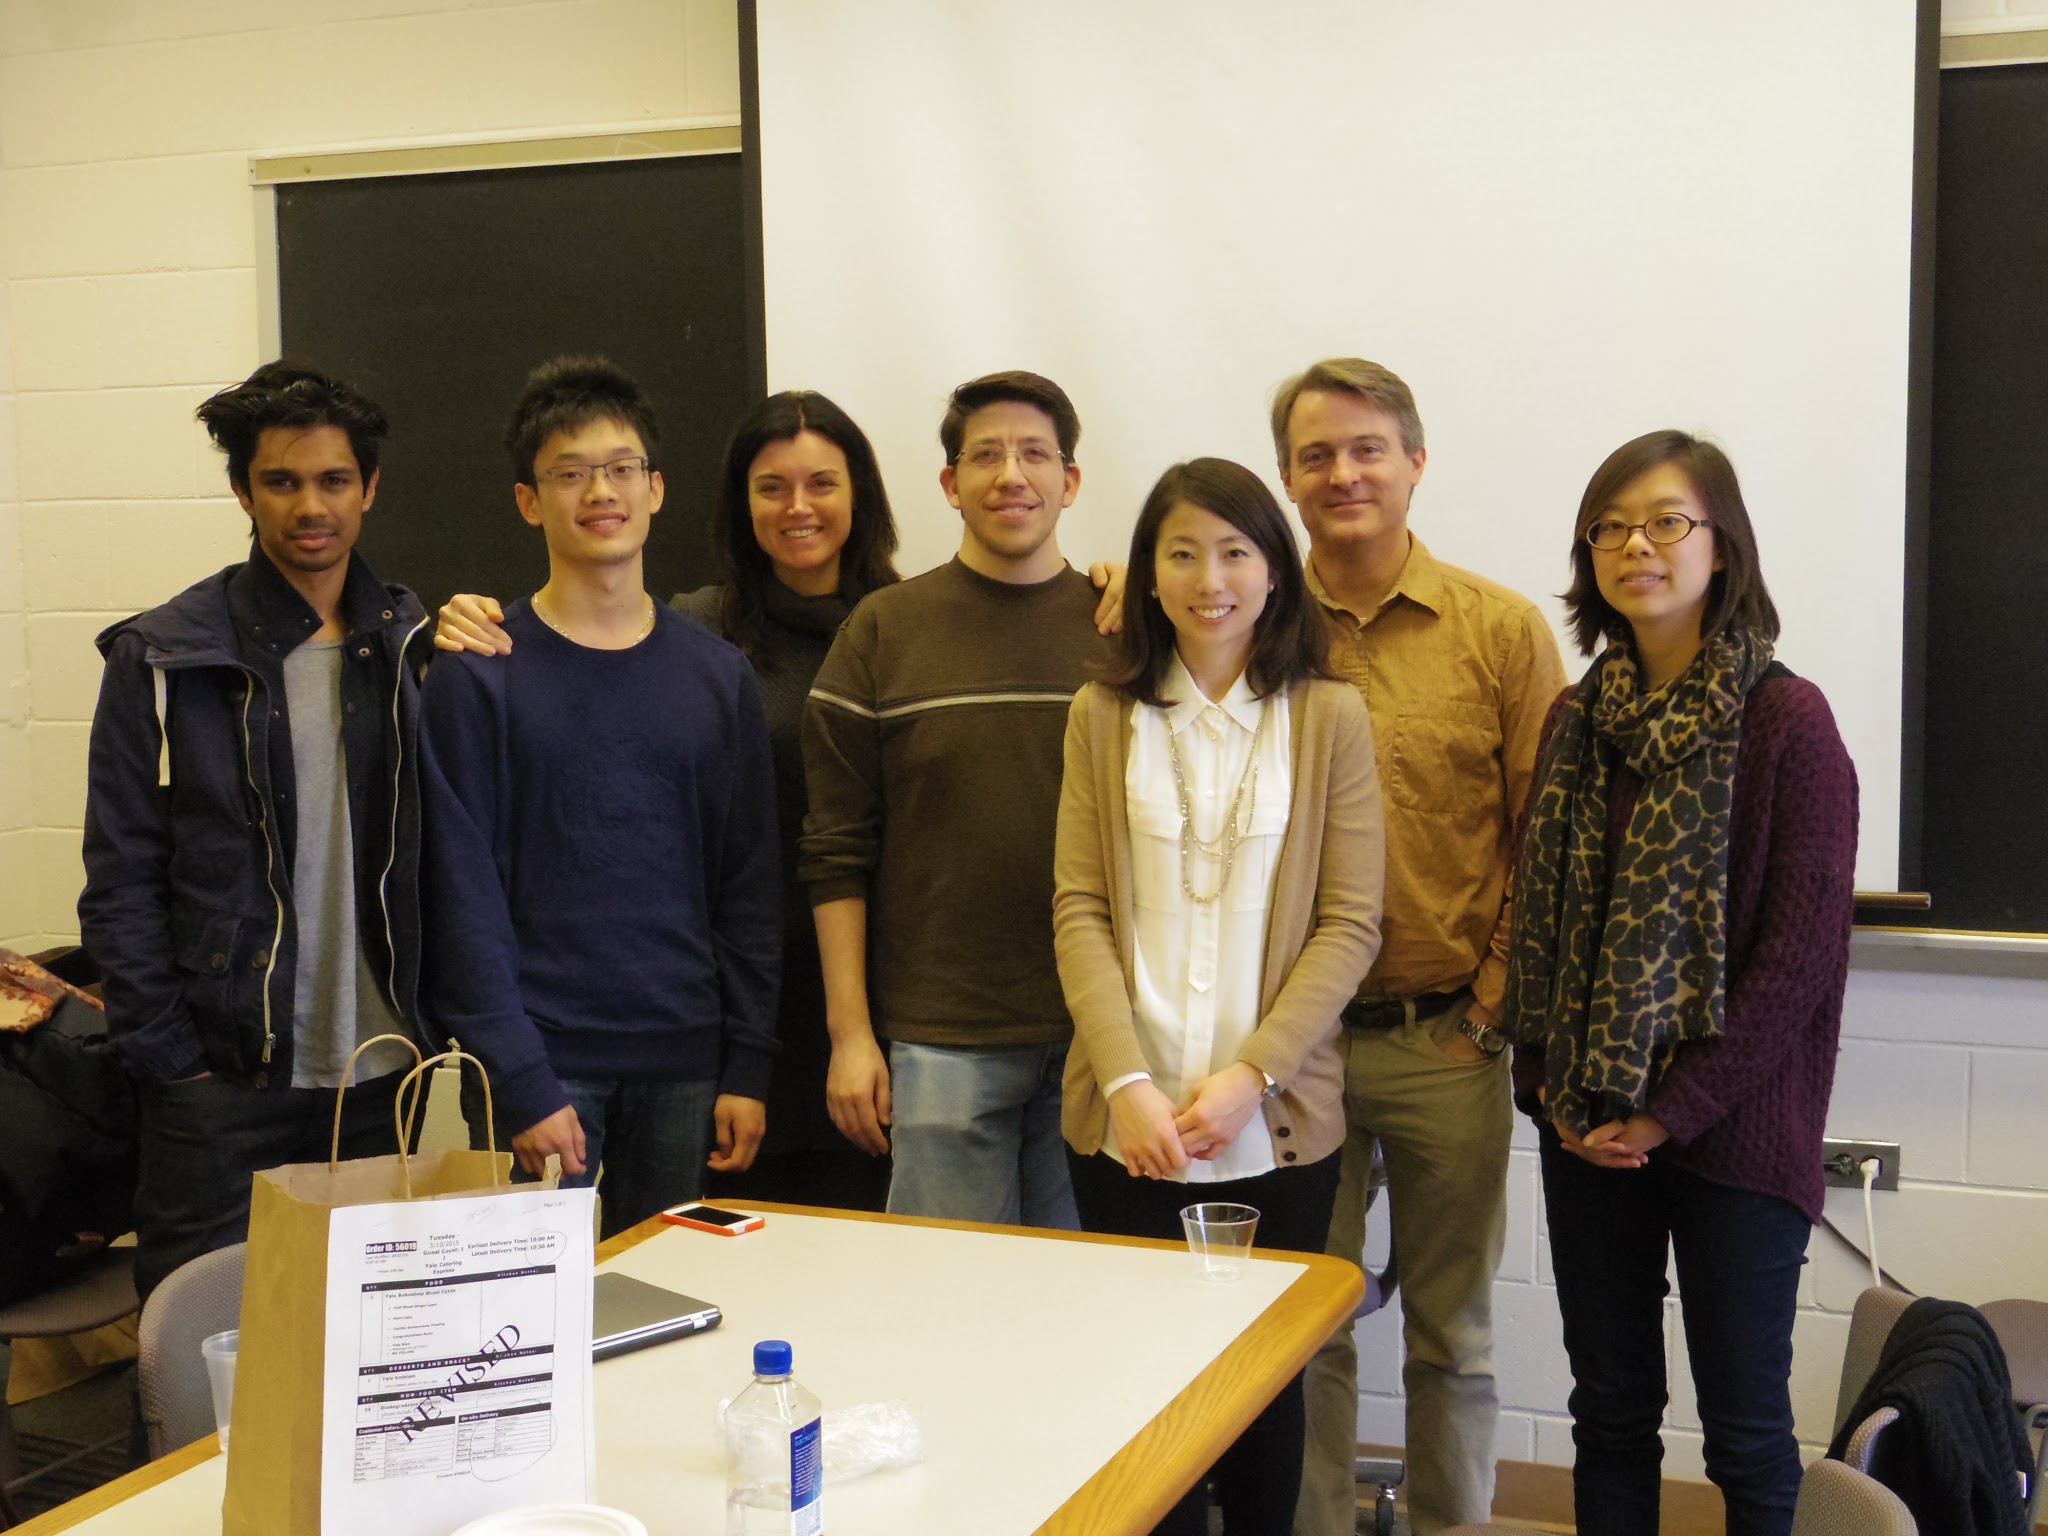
pixel 1322 929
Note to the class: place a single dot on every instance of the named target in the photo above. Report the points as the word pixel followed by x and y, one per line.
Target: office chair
pixel 1382 1474
pixel 1837 1500
pixel 1834 1500
pixel 2021 1327
pixel 198 1298
pixel 99 1291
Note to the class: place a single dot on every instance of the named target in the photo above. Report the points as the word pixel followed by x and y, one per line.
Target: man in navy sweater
pixel 603 903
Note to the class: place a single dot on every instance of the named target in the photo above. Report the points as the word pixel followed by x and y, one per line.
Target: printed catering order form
pixel 458 1360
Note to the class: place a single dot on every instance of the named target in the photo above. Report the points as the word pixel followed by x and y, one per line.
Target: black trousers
pixel 1614 1234
pixel 204 1139
pixel 1259 1478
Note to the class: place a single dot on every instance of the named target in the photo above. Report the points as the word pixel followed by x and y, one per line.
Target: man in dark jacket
pixel 252 827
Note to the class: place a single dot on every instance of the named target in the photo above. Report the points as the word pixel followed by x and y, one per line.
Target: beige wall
pixel 128 262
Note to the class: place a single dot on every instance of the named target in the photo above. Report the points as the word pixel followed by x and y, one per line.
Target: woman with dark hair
pixel 802 532
pixel 1682 904
pixel 1217 895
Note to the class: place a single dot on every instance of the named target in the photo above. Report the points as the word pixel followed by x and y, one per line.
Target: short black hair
pixel 1736 596
pixel 1289 641
pixel 567 394
pixel 1033 389
pixel 287 394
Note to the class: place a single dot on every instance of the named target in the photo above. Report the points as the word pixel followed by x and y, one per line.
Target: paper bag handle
pixel 348 1076
pixel 416 1080
pixel 404 1110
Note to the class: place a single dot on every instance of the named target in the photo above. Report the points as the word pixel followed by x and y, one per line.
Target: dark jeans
pixel 1259 1478
pixel 651 1137
pixel 1738 1255
pixel 203 1140
pixel 840 1178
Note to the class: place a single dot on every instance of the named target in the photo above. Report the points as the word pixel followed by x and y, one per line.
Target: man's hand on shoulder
pixel 471 623
pixel 1109 578
pixel 739 1123
pixel 561 1133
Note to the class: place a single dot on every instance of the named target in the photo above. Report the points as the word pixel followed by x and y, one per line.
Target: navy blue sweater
pixel 602 896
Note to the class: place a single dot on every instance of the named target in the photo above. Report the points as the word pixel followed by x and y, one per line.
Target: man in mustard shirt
pixel 1457 673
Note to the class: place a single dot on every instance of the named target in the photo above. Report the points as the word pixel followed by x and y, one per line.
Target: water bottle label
pixel 807 1479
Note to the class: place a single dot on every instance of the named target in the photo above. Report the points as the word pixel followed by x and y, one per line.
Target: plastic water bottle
pixel 775 1453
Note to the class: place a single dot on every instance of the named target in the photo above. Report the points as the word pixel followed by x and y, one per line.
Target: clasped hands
pixel 1159 1138
pixel 1618 1143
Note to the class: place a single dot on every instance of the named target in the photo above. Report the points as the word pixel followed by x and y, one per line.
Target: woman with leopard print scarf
pixel 1682 906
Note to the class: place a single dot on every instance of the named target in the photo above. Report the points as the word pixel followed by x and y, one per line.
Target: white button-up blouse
pixel 1198 962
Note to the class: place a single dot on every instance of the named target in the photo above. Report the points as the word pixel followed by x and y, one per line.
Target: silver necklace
pixel 1224 845
pixel 545 618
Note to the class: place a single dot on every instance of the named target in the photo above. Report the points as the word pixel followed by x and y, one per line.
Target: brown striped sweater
pixel 933 752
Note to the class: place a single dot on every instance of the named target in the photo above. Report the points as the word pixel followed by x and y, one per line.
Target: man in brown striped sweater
pixel 932 748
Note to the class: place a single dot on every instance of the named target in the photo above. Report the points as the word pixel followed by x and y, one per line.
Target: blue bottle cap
pixel 771 1358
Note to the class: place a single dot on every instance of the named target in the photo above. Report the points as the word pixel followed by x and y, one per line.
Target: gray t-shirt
pixel 336 1005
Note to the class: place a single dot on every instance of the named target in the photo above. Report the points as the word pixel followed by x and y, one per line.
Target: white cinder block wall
pixel 1961 16
pixel 127 250
pixel 1953 1067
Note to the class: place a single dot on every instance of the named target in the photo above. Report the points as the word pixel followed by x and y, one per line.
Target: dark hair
pixel 567 394
pixel 283 394
pixel 864 564
pixel 1380 388
pixel 1014 384
pixel 1289 642
pixel 1736 597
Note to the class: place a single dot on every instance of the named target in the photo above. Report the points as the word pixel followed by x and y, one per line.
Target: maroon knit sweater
pixel 1747 1109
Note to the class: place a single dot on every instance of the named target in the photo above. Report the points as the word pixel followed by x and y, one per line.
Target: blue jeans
pixel 976 1133
pixel 651 1135
pixel 1738 1254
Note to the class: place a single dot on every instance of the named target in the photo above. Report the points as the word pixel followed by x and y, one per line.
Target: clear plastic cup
pixel 219 1350
pixel 1220 1237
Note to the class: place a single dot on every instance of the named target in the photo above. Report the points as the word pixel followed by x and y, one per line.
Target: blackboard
pixel 1984 830
pixel 437 294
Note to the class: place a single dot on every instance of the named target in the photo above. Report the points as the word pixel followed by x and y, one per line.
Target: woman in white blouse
pixel 1218 872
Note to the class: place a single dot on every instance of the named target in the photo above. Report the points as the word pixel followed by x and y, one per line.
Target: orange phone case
pixel 744 1224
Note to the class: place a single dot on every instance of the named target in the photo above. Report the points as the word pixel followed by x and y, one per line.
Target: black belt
pixel 1394 1012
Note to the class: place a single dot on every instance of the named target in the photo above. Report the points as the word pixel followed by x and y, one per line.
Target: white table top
pixel 1028 1361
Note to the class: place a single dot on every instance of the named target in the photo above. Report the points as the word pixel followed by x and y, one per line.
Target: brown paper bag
pixel 274 1445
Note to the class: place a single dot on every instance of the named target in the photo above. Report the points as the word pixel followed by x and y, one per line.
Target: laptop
pixel 629 1314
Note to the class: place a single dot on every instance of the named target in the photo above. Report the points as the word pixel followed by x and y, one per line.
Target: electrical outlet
pixel 1843 1162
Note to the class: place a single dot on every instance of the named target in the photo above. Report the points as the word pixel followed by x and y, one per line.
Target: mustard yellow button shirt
pixel 1457 673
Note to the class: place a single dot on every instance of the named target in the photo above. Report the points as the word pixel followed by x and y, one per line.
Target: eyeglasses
pixel 1664 528
pixel 576 478
pixel 995 455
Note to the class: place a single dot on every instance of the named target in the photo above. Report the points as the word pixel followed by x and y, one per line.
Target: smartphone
pixel 709 1218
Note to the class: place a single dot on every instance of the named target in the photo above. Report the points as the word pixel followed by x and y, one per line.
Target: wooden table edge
pixel 98 1500
pixel 1259 1361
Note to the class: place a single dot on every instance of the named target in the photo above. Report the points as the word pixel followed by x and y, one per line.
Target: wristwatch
pixel 1485 1036
pixel 1272 1088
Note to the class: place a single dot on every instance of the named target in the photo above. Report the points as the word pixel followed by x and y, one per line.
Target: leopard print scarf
pixel 1612 991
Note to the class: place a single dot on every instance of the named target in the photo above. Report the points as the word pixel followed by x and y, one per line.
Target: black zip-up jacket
pixel 190 821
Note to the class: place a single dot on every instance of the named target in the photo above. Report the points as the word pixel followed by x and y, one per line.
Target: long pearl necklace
pixel 548 619
pixel 1224 845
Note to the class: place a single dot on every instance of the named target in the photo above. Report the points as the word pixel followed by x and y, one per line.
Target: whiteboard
pixel 1563 224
